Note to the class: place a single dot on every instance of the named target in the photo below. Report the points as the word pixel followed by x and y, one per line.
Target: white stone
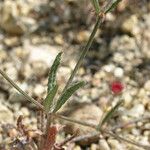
pixel 93 147
pixel 6 116
pixel 127 98
pixel 41 52
pixel 144 140
pixel 137 111
pixel 38 90
pixel 147 85
pixel 130 25
pixel 118 72
pixel 109 68
pixel 115 145
pixel 135 132
pixel 25 111
pixel 103 145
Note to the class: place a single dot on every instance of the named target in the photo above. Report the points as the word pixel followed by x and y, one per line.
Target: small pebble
pixel 103 145
pixel 77 148
pixel 135 132
pixel 82 36
pixel 59 39
pixel 40 68
pixel 6 116
pixel 25 112
pixel 115 145
pixel 3 55
pixel 38 90
pixel 12 41
pixel 127 99
pixel 93 147
pixel 147 85
pixel 109 68
pixel 137 111
pixel 118 72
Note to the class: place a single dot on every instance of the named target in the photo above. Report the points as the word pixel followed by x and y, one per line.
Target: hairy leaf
pixel 49 98
pixel 52 73
pixel 65 96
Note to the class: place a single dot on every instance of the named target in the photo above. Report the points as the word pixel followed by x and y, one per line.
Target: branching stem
pixel 83 54
pixel 109 132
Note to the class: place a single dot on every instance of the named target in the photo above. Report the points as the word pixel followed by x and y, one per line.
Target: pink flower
pixel 117 87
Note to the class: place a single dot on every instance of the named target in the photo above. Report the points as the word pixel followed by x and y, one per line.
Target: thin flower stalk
pixel 21 91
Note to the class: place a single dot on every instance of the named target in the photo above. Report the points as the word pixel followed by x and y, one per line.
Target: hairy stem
pixel 109 132
pixel 99 20
pixel 20 90
pixel 74 121
pixel 84 52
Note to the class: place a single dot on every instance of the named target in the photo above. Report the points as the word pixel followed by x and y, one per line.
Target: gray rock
pixel 89 113
pixel 43 53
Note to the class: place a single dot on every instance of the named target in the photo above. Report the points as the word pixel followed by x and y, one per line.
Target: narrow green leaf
pixel 110 113
pixel 52 73
pixel 49 98
pixel 65 96
pixel 96 6
pixel 113 5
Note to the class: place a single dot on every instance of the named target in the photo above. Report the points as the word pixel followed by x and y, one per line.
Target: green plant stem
pixel 74 121
pixel 84 52
pixel 109 132
pixel 99 21
pixel 48 123
pixel 20 90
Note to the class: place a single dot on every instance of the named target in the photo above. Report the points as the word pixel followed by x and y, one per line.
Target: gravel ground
pixel 32 34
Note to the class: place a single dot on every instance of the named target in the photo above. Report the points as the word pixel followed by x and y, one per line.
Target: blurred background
pixel 33 32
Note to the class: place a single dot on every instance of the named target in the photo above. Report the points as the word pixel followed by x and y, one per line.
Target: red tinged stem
pixel 51 138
